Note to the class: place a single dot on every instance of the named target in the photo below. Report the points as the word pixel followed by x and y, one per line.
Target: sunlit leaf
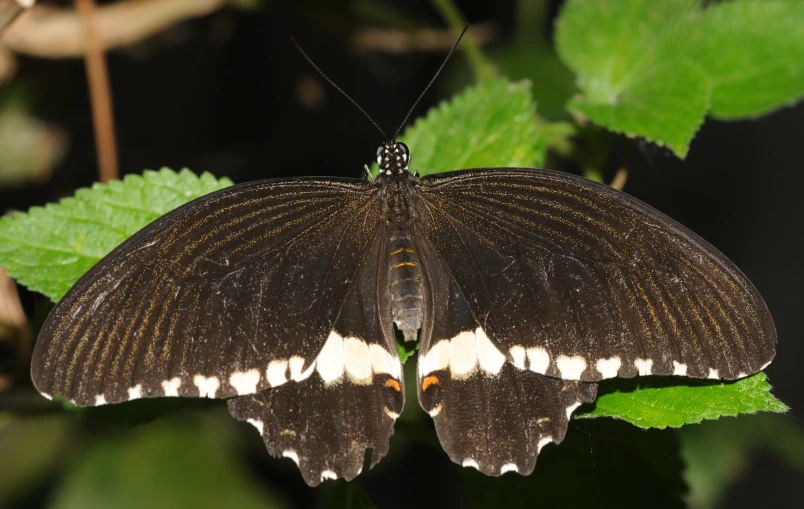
pixel 488 125
pixel 660 402
pixel 48 248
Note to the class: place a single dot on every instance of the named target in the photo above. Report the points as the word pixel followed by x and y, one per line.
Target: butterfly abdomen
pixel 406 277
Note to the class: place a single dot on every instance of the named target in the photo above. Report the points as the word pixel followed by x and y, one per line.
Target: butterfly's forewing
pixel 489 414
pixel 577 281
pixel 230 294
pixel 325 423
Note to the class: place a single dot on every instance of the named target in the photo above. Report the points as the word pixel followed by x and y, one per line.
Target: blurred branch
pixel 482 68
pixel 10 9
pixel 369 40
pixel 14 329
pixel 51 32
pixel 620 178
pixel 100 94
pixel 11 313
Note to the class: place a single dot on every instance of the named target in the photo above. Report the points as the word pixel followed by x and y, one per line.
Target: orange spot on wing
pixel 393 384
pixel 430 380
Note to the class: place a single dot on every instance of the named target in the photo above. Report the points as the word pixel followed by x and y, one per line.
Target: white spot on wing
pixel 463 353
pixel 765 365
pixel 518 356
pixel 742 375
pixel 469 462
pixel 509 467
pixel 491 360
pixel 330 360
pixel 437 358
pixel 276 374
pixel 384 362
pixel 46 396
pixel 100 399
pixel 713 374
pixel 570 367
pixel 357 359
pixel 644 366
pixel 296 364
pixel 391 414
pixel 608 368
pixel 679 369
pixel 292 455
pixel 435 411
pixel 328 474
pixel 246 382
pixel 207 387
pixel 539 360
pixel 135 392
pixel 256 423
pixel 171 387
pixel 572 408
pixel 542 442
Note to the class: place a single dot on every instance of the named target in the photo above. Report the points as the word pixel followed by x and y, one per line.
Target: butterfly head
pixel 393 158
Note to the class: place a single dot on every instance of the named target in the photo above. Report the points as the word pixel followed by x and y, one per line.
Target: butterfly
pixel 523 287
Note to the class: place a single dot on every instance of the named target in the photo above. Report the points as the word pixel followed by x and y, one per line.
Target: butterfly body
pixel 524 287
pixel 396 186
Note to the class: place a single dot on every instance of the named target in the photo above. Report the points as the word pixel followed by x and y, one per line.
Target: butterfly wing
pixel 577 281
pixel 489 413
pixel 231 294
pixel 325 423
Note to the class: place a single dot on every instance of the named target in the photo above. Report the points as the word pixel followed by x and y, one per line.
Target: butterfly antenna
pixel 444 63
pixel 310 61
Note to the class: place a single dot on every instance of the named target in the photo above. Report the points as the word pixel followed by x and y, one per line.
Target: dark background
pixel 220 94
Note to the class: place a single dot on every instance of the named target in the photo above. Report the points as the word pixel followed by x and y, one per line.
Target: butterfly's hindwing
pixel 490 413
pixel 214 298
pixel 577 281
pixel 350 400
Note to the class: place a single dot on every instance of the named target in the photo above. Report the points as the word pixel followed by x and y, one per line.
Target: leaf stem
pixel 481 66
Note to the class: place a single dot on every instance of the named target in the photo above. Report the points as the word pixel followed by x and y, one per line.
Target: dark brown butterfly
pixel 524 288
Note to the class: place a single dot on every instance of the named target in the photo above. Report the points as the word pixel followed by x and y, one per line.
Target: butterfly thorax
pixel 405 275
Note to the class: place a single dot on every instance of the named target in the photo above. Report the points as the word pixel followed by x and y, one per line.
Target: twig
pixel 14 327
pixel 620 178
pixel 10 9
pixel 99 92
pixel 369 40
pixel 51 32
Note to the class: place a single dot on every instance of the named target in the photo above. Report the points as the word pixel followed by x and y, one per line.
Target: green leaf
pixel 628 85
pixel 598 462
pixel 665 105
pixel 179 462
pixel 48 248
pixel 489 125
pixel 659 402
pixel 753 53
pixel 406 349
pixel 654 69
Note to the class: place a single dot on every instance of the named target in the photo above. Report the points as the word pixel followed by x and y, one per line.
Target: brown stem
pixel 100 93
